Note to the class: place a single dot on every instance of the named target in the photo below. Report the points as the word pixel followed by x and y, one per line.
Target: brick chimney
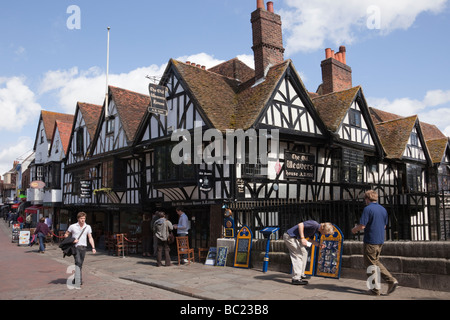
pixel 267 38
pixel 336 74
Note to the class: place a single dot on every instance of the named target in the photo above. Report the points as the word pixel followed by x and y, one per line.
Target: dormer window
pixel 354 118
pixel 79 141
pixel 110 125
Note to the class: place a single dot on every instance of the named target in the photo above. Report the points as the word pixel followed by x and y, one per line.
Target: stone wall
pixel 423 265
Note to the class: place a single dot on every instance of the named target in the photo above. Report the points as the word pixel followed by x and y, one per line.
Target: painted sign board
pixel 299 165
pixel 329 259
pixel 243 248
pixel 222 253
pixel 310 264
pixel 24 238
pixel 211 257
pixel 158 102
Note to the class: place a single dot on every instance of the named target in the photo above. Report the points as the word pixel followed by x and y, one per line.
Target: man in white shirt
pixel 85 230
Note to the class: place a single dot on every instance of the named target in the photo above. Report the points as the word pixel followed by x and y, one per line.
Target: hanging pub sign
pixel 299 165
pixel 205 180
pixel 329 258
pixel 243 248
pixel 85 189
pixel 158 101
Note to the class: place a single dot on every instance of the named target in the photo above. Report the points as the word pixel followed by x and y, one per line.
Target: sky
pixel 53 52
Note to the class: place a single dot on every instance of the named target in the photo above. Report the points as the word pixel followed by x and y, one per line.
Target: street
pixel 29 275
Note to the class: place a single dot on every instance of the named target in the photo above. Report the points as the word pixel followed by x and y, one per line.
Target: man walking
pixel 373 221
pixel 81 232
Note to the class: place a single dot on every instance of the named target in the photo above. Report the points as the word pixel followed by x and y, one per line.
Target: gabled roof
pixel 382 116
pixel 394 135
pixel 48 118
pixel 65 132
pixel 333 107
pixel 91 115
pixel 131 107
pixel 227 102
pixel 437 149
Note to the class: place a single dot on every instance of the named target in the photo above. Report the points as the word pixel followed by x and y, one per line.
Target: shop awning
pixel 33 209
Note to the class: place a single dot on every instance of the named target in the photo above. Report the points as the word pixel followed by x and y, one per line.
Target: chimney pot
pixel 260 4
pixel 188 62
pixel 327 53
pixel 270 7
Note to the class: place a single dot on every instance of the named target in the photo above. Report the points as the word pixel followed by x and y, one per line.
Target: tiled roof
pixel 91 115
pixel 431 132
pixel 437 149
pixel 49 119
pixel 394 135
pixel 65 131
pixel 333 107
pixel 382 116
pixel 131 107
pixel 227 102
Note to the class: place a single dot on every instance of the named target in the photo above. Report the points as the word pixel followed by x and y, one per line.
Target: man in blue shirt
pixel 295 240
pixel 373 221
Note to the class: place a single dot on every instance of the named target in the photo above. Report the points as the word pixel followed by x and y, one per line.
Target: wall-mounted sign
pixel 243 248
pixel 85 189
pixel 240 188
pixel 205 180
pixel 37 185
pixel 329 259
pixel 299 165
pixel 158 101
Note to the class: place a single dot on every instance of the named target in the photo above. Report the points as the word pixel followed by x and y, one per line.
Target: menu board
pixel 329 259
pixel 24 238
pixel 243 248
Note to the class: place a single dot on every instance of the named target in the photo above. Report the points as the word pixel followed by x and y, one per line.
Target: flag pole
pixel 107 80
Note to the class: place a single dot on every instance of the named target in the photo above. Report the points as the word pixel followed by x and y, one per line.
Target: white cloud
pixel 434 108
pixel 17 104
pixel 312 24
pixel 73 85
pixel 12 151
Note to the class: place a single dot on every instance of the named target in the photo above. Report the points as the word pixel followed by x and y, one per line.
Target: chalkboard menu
pixel 243 248
pixel 329 259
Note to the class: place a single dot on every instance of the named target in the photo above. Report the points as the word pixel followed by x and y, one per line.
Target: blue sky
pixel 398 51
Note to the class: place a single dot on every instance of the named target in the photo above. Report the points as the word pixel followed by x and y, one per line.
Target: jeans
pixel 79 260
pixel 41 241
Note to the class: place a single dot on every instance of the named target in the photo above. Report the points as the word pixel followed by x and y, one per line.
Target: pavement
pixel 194 281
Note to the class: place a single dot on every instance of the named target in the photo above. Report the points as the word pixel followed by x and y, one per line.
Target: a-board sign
pixel 211 258
pixel 24 238
pixel 243 248
pixel 329 259
pixel 310 264
pixel 221 260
